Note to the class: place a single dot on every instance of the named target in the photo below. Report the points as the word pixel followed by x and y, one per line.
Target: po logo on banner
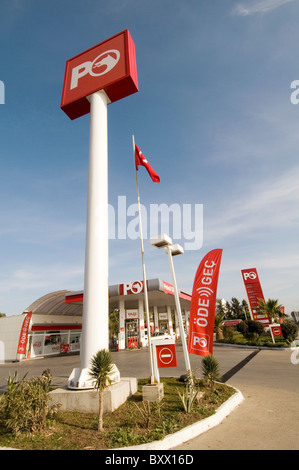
pixel 200 341
pixel 101 65
pixel 250 275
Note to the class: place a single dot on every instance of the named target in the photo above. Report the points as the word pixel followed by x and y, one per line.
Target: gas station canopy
pixel 161 293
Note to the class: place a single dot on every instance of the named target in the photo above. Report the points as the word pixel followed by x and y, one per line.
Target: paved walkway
pixel 268 417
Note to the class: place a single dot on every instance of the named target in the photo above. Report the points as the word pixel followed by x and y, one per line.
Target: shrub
pixel 25 406
pixel 242 327
pixel 251 329
pixel 289 331
pixel 228 332
pixel 256 327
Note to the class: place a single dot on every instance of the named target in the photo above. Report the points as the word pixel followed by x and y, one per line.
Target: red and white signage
pixel 128 288
pixel 169 289
pixel 24 334
pixel 203 305
pixel 64 348
pixel 281 319
pixel 254 293
pixel 108 66
pixel 276 330
pixel 166 356
pixel 163 316
pixel 132 314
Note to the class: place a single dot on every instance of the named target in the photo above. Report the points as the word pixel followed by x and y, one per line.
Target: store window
pixel 54 342
pixel 75 340
pixel 37 344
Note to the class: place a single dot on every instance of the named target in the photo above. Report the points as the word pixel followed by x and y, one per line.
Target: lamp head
pixel 161 241
pixel 176 250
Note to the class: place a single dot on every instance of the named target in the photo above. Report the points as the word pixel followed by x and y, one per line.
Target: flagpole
pixel 154 378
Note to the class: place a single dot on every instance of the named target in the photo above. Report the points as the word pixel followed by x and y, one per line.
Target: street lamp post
pixel 164 241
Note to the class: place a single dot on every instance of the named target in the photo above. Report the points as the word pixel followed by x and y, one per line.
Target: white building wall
pixel 10 328
pixel 56 319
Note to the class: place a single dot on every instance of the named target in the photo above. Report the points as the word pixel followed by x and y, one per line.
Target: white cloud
pixel 270 204
pixel 261 6
pixel 22 285
pixel 28 277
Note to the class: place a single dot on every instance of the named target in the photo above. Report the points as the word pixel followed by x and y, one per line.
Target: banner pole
pixel 272 336
pixel 178 309
pixel 154 377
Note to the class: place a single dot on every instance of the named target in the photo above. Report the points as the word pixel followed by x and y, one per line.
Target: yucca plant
pixel 191 391
pixel 101 366
pixel 210 369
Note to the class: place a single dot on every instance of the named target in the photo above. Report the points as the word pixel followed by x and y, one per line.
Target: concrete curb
pixel 245 346
pixel 8 448
pixel 194 430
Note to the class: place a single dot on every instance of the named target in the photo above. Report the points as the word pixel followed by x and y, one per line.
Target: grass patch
pixel 126 426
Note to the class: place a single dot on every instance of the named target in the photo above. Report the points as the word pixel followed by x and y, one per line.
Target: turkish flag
pixel 141 160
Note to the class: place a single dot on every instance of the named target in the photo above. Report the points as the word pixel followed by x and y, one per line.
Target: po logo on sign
pixel 251 275
pixel 133 287
pixel 101 65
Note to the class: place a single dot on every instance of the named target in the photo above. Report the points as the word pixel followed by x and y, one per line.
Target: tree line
pixel 232 310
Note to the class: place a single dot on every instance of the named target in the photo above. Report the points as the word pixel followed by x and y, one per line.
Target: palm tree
pixel 219 318
pixel 271 308
pixel 100 370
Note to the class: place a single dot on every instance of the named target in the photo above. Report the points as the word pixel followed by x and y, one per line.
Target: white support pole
pixel 156 318
pixel 272 336
pixel 95 303
pixel 121 334
pixel 141 322
pixel 178 309
pixel 169 318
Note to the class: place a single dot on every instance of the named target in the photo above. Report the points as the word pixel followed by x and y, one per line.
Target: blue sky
pixel 213 115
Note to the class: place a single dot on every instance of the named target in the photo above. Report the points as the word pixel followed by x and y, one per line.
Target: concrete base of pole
pixel 87 401
pixel 81 380
pixel 153 392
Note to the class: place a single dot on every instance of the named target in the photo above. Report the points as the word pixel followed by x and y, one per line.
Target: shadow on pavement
pixel 228 375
